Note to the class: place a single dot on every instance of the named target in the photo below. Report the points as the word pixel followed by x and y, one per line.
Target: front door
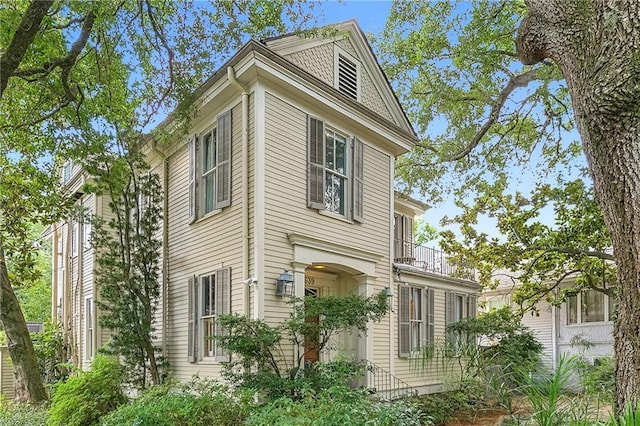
pixel 311 345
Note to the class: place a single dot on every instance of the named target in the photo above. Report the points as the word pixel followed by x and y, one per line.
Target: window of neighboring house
pixel 74 239
pixel 335 181
pixel 88 316
pixel 457 307
pixel 416 319
pixel 403 238
pixel 209 297
pixel 347 74
pixel 86 234
pixel 594 306
pixel 210 169
pixel 66 171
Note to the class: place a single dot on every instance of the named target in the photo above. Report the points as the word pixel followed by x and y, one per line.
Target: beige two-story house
pixel 287 170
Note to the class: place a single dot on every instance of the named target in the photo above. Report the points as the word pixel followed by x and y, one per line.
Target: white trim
pixel 309 250
pixel 85 329
pixel 392 320
pixel 259 204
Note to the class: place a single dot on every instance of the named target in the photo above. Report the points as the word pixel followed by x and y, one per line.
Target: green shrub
pixel 440 407
pixel 83 399
pixel 19 414
pixel 197 404
pixel 338 405
pixel 599 377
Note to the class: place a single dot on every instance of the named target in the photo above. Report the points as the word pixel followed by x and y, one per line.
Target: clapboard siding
pixel 213 241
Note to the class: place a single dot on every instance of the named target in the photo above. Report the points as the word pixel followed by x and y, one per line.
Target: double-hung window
pixel 88 318
pixel 209 297
pixel 210 169
pixel 336 180
pixel 335 169
pixel 457 307
pixel 589 306
pixel 416 319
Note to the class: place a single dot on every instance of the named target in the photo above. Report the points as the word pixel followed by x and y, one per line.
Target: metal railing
pixel 431 260
pixel 383 384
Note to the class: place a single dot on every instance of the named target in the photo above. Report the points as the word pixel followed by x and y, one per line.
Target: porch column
pixel 365 343
pixel 298 269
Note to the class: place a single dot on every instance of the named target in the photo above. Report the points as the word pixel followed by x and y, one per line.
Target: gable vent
pixel 347 77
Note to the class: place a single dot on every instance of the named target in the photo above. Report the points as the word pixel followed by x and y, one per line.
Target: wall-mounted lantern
pixel 284 284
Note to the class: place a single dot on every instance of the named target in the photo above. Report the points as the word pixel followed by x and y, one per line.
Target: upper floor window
pixel 209 297
pixel 335 170
pixel 335 198
pixel 416 319
pixel 210 169
pixel 347 74
pixel 589 306
pixel 66 171
pixel 403 238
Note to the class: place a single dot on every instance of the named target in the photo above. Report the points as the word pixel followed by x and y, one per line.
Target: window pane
pixel 592 306
pixel 572 310
pixel 330 164
pixel 415 335
pixel 209 330
pixel 341 155
pixel 207 306
pixel 209 191
pixel 335 193
pixel 208 152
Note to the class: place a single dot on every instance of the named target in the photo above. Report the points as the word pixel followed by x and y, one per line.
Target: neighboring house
pixel 583 325
pixel 288 166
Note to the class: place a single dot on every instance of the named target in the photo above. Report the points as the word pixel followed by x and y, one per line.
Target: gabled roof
pixel 294 42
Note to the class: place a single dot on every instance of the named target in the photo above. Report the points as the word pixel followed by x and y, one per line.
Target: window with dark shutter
pixel 223 167
pixel 347 77
pixel 358 180
pixel 315 163
pixel 450 314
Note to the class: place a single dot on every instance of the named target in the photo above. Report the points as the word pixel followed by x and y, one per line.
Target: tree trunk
pixel 28 382
pixel 596 43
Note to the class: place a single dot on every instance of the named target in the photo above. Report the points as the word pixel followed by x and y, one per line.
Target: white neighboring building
pixel 583 325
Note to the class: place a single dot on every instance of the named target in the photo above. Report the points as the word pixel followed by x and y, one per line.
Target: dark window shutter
pixel 192 339
pixel 223 167
pixel 193 178
pixel 431 315
pixel 315 163
pixel 449 313
pixel 472 306
pixel 407 236
pixel 404 339
pixel 358 180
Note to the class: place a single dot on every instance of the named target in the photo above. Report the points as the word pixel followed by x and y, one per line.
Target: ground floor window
pixel 589 306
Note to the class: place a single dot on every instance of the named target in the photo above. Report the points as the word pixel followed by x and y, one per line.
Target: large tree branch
pixel 22 39
pixel 516 81
pixel 65 63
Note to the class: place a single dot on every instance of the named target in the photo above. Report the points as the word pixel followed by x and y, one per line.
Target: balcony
pixel 430 260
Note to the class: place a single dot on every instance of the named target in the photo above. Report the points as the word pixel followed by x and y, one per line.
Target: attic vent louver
pixel 347 77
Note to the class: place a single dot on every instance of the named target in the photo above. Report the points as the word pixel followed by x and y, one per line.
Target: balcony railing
pixel 431 260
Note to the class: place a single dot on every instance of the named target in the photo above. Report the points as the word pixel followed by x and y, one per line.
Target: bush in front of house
pixel 83 399
pixel 199 403
pixel 337 405
pixel 20 414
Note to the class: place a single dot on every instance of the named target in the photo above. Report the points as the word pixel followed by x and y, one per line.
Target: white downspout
pixel 245 185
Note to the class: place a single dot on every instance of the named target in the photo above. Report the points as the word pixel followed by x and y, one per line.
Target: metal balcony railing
pixel 430 260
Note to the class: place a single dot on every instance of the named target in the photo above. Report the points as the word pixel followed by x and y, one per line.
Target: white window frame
pixel 89 327
pixel 86 234
pixel 337 52
pixel 75 228
pixel 333 134
pixel 577 302
pixel 203 292
pixel 204 174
